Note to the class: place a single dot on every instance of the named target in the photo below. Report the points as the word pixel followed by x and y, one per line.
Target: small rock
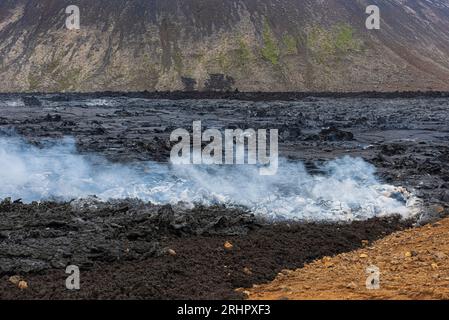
pixel 228 246
pixel 22 285
pixel 171 252
pixel 439 209
pixel 408 254
pixel 363 256
pixel 440 255
pixel 247 271
pixel 351 285
pixel 15 280
pixel 434 266
pixel 286 288
pixel 334 134
pixel 445 196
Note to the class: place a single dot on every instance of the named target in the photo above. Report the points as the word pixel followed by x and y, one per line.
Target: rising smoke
pixel 347 189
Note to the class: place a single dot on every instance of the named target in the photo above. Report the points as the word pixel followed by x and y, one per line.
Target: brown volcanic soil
pixel 413 264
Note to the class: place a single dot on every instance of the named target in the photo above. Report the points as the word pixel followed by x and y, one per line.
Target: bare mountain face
pixel 266 45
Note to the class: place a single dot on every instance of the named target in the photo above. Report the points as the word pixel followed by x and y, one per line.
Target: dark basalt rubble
pixel 122 246
pixel 39 236
pixel 32 99
pixel 128 249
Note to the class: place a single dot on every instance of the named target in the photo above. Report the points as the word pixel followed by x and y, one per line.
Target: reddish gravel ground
pixel 413 264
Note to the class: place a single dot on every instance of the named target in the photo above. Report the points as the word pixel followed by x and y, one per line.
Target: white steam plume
pixel 347 191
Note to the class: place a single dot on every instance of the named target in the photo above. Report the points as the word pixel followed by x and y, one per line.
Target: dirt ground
pixel 413 264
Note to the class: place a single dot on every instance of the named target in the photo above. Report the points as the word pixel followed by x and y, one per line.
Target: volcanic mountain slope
pixel 267 45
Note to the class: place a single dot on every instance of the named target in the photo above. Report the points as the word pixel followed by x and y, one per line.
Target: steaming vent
pixel 348 190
